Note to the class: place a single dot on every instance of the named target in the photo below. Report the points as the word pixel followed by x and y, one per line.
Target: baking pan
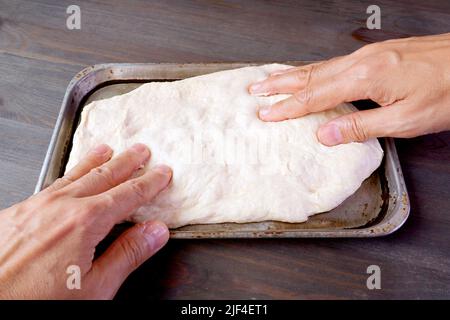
pixel 379 207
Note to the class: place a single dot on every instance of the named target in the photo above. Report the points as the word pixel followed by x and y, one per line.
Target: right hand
pixel 409 78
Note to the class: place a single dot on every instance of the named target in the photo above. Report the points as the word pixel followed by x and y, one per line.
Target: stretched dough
pixel 228 166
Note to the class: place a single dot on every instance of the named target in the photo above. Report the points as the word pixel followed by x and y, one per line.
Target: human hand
pixel 409 79
pixel 61 226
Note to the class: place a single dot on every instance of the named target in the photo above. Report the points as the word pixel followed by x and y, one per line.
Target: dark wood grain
pixel 38 57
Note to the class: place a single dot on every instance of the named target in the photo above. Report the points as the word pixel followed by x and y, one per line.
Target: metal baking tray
pixel 379 207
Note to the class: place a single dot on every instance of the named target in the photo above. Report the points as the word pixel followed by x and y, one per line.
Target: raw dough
pixel 228 166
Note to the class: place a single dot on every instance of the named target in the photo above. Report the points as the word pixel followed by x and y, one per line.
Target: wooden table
pixel 39 55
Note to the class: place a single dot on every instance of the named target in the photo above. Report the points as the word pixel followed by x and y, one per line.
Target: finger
pixel 293 79
pixel 283 71
pixel 112 173
pixel 128 252
pixel 331 61
pixel 94 158
pixel 318 97
pixel 121 201
pixel 288 82
pixel 362 125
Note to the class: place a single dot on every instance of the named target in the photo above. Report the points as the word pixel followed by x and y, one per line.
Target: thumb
pixel 128 252
pixel 360 126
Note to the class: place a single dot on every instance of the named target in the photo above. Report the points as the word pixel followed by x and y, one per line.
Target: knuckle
pixel 382 94
pixel 77 217
pixel 389 58
pixel 87 209
pixel 132 250
pixel 53 195
pixel 108 200
pixel 94 206
pixel 356 128
pixel 139 189
pixel 65 179
pixel 304 97
pixel 376 64
pixel 86 215
pixel 59 181
pixel 79 221
pixel 59 184
pixel 303 73
pixel 104 173
pixel 361 71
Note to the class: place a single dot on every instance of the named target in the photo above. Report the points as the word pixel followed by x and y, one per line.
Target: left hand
pixel 61 226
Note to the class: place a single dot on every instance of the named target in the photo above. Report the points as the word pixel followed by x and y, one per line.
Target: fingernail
pixel 101 149
pixel 330 134
pixel 156 234
pixel 163 169
pixel 141 148
pixel 255 87
pixel 264 111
